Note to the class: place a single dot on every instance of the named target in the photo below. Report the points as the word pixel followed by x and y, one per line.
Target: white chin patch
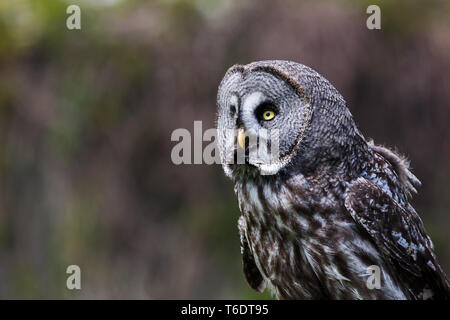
pixel 270 169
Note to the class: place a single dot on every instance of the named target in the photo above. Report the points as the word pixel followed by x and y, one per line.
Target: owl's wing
pixel 251 272
pixel 398 232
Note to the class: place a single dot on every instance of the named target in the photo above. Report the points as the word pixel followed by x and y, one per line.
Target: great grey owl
pixel 320 216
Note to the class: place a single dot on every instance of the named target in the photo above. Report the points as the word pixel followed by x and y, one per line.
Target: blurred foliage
pixel 86 117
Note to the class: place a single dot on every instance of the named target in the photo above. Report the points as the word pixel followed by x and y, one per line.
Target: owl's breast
pixel 306 248
pixel 274 228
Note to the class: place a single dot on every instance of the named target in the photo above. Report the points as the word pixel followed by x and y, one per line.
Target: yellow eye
pixel 268 115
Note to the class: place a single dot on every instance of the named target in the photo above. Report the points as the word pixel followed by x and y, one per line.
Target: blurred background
pixel 86 117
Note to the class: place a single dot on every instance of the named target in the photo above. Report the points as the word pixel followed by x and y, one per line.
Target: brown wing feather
pixel 400 235
pixel 251 271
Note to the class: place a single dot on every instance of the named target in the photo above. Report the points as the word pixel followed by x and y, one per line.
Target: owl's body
pixel 331 205
pixel 306 245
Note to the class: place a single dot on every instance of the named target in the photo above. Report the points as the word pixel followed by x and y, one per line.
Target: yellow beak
pixel 241 137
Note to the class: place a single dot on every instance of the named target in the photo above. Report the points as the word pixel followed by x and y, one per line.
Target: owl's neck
pixel 344 157
pixel 337 159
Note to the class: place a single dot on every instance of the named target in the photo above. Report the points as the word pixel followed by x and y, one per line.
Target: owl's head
pixel 273 114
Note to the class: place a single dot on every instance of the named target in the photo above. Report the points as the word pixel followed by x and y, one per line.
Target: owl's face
pixel 271 114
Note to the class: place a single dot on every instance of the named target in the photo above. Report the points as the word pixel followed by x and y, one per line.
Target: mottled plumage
pixel 331 204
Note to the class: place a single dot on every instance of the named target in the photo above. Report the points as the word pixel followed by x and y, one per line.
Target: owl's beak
pixel 241 137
